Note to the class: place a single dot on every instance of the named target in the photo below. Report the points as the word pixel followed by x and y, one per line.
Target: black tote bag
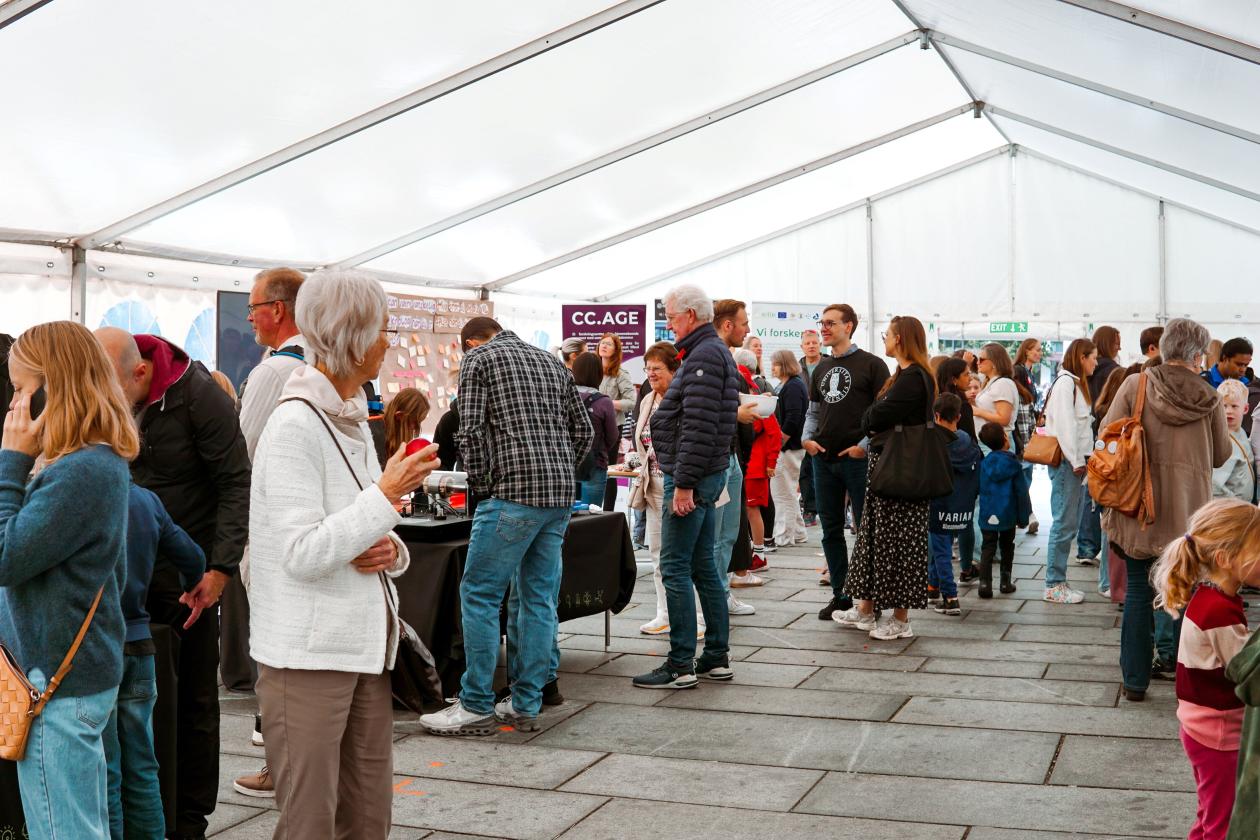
pixel 914 464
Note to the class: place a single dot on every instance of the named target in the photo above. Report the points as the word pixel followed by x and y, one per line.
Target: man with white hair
pixel 691 435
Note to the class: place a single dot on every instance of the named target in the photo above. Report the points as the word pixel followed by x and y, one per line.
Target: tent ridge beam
pixel 726 198
pixel 1106 90
pixel 15 10
pixel 1107 147
pixel 801 225
pixel 643 145
pixel 367 120
pixel 1171 28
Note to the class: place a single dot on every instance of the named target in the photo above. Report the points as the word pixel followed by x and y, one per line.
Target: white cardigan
pixel 1068 419
pixel 309 608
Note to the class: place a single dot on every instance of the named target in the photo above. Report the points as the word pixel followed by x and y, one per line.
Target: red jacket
pixel 768 440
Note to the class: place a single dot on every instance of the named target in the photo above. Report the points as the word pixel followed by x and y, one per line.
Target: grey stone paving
pixel 1001 724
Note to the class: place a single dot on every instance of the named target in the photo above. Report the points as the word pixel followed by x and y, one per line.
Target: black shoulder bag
pixel 915 462
pixel 414 678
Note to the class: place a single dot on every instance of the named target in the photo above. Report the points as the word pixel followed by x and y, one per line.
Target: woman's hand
pixel 403 473
pixel 21 433
pixel 381 557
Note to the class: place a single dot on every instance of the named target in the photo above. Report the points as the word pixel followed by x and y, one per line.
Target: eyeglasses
pixel 655 369
pixel 829 324
pixel 251 307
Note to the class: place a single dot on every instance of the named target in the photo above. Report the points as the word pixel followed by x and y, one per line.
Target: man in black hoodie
pixel 193 456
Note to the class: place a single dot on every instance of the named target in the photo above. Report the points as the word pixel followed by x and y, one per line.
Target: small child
pixel 951 514
pixel 1202 573
pixel 1236 478
pixel 1004 506
pixel 135 801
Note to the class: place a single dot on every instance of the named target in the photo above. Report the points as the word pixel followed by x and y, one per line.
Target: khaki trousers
pixel 329 738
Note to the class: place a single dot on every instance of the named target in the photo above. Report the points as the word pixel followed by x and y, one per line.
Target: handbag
pixel 20 703
pixel 914 464
pixel 1043 448
pixel 414 677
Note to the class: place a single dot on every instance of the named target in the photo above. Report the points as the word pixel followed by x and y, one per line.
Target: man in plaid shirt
pixel 522 431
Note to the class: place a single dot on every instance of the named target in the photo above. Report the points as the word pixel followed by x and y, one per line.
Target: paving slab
pixel 260 827
pixel 699 782
pixel 921 684
pixel 652 646
pixel 843 705
pixel 980 668
pixel 1099 606
pixel 924 622
pixel 1093 673
pixel 515 813
pixel 818 595
pixel 1027 807
pixel 812 743
pixel 581 661
pixel 235 732
pixel 1100 619
pixel 828 638
pixel 599 688
pixel 1122 763
pixel 489 761
pixel 226 816
pixel 627 819
pixel 862 661
pixel 986 833
pixel 746 673
pixel 1062 635
pixel 1132 720
pixel 1015 651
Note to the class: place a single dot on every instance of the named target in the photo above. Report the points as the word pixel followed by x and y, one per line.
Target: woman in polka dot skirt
pixel 889 565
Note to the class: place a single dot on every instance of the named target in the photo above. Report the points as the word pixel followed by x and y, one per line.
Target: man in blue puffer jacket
pixel 691 435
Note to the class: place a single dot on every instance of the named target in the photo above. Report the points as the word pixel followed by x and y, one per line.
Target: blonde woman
pixel 63 555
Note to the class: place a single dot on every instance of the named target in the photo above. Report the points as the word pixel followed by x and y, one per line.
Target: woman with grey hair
pixel 1186 437
pixel 789 524
pixel 324 625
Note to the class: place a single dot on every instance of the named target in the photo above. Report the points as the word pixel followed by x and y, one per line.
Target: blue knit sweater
pixel 62 536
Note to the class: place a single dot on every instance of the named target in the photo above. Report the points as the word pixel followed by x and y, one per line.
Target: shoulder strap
pixel 68 662
pixel 1141 397
pixel 1246 456
pixel 328 427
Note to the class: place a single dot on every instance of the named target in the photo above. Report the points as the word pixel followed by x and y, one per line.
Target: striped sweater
pixel 1213 631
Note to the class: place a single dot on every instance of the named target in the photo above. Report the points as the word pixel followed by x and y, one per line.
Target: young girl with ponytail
pixel 1201 573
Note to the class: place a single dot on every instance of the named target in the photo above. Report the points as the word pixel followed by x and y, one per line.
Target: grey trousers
pixel 329 738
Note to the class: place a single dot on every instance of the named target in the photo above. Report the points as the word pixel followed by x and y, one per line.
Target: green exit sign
pixel 1008 327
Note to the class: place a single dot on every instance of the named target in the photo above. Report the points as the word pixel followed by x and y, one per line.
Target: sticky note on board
pixel 446 363
pixel 441 391
pixel 402 360
pixel 393 387
pixel 421 361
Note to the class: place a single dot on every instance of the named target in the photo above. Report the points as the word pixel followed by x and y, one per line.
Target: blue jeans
pixel 833 481
pixel 1137 637
pixel 1167 636
pixel 63 776
pixel 591 491
pixel 135 800
pixel 967 540
pixel 1089 542
pixel 809 503
pixel 1065 504
pixel 686 560
pixel 1104 560
pixel 513 636
pixel 640 527
pixel 941 567
pixel 726 525
pixel 508 540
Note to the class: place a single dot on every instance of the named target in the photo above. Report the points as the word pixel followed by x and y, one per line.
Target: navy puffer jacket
pixel 693 426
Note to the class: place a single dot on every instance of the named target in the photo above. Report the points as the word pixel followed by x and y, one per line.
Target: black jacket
pixel 1099 377
pixel 444 437
pixel 693 426
pixel 790 411
pixel 908 402
pixel 193 456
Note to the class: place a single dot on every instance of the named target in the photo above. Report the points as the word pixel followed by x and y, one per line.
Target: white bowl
pixel 765 403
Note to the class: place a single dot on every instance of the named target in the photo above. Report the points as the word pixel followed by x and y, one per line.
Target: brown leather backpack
pixel 1119 469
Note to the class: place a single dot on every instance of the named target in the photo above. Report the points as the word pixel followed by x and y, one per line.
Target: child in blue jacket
pixel 952 514
pixel 1004 505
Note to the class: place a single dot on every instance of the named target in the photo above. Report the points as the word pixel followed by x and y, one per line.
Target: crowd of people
pixel 254 531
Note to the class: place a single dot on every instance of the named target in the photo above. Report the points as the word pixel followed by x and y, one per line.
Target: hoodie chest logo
pixel 836 384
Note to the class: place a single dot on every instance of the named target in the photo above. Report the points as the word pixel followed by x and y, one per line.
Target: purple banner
pixel 589 322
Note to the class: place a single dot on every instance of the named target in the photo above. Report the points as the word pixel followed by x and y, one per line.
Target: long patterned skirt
pixel 890 559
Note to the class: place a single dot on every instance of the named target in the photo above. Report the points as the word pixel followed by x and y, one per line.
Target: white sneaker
pixel 748 579
pixel 658 626
pixel 854 617
pixel 1087 561
pixel 504 712
pixel 1061 593
pixel 734 606
pixel 456 720
pixel 890 628
pixel 801 540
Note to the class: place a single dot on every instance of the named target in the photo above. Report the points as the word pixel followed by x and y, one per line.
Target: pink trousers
pixel 1214 776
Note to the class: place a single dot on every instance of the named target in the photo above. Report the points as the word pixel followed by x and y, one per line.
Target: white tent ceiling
pixel 581 148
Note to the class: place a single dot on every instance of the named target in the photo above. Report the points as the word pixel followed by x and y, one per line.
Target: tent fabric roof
pixel 582 147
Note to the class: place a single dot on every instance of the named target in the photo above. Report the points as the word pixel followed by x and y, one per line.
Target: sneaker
pixel 1061 593
pixel 1006 587
pixel 748 579
pixel 833 606
pixel 551 693
pixel 801 540
pixel 1104 591
pixel 1032 526
pixel 948 606
pixel 257 738
pixel 658 626
pixel 968 575
pixel 666 677
pixel 825 579
pixel 934 596
pixel 713 670
pixel 854 617
pixel 758 563
pixel 259 785
pixel 456 720
pixel 1161 670
pixel 771 547
pixel 890 628
pixel 811 519
pixel 734 606
pixel 505 713
pixel 1087 561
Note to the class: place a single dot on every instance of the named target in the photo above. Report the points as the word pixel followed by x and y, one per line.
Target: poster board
pixel 628 321
pixel 779 325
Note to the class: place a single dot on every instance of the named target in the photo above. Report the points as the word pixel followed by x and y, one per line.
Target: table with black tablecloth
pixel 599 574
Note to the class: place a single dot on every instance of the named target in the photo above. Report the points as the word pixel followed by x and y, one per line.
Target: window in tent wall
pixel 185 317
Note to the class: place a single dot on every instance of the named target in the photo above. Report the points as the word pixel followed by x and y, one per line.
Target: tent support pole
pixel 1163 266
pixel 1011 280
pixel 870 275
pixel 78 284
